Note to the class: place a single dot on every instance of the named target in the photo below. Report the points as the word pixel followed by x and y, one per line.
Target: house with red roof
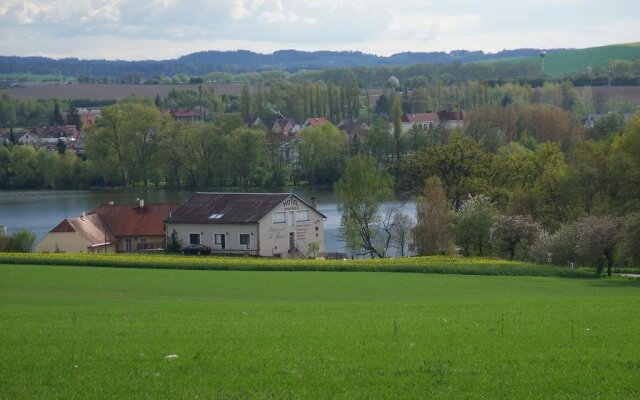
pixel 111 228
pixel 313 122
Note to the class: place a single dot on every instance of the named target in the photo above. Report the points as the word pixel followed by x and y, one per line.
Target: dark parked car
pixel 196 249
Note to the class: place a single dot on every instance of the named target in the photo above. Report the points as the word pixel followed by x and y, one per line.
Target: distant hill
pixel 204 62
pixel 577 60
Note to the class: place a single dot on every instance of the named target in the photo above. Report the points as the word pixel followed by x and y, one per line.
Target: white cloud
pixel 26 13
pixel 239 10
pixel 169 28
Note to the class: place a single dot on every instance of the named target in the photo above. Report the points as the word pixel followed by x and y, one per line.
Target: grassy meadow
pixel 577 60
pixel 80 333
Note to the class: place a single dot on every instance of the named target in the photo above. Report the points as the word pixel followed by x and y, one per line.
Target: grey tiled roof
pixel 226 208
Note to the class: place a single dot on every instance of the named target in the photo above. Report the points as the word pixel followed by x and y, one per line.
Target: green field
pixel 36 77
pixel 79 333
pixel 570 61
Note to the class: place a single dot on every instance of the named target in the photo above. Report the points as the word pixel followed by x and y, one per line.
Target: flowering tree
pixel 473 223
pixel 509 231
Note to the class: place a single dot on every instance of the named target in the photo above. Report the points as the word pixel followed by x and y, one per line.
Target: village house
pixel 5 136
pixel 356 129
pixel 182 114
pixel 283 126
pixel 110 228
pixel 431 120
pixel 89 116
pixel 260 224
pixel 251 121
pixel 313 122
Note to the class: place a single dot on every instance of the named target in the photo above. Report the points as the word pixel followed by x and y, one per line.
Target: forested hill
pixel 203 62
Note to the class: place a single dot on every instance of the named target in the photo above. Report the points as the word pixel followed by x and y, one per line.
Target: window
pixel 245 240
pixel 194 238
pixel 292 218
pixel 128 244
pixel 302 215
pixel 279 217
pixel 219 239
pixel 143 244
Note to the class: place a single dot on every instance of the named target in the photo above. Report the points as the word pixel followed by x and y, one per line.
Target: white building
pixel 262 224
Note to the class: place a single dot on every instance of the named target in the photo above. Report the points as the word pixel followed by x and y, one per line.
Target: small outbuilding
pixel 84 234
pixel 260 224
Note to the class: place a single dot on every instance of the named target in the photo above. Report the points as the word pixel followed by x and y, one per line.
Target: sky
pixel 166 29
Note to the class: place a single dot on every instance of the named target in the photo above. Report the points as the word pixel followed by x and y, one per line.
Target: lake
pixel 40 210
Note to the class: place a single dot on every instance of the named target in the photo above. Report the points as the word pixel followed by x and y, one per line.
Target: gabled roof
pixel 227 208
pixel 90 227
pixel 251 120
pixel 315 121
pixel 420 117
pixel 126 220
pixel 353 125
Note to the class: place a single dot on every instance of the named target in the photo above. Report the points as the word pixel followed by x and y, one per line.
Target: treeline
pixel 529 199
pixel 201 63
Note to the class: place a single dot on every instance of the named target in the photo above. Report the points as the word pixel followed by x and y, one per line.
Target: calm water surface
pixel 40 211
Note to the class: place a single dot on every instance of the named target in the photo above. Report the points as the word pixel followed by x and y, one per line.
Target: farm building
pixel 261 224
pixel 110 228
pixel 84 234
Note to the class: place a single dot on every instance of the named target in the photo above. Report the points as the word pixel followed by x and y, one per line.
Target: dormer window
pixel 215 216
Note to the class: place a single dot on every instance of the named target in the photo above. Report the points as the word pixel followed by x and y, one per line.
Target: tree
pixel 629 240
pixel 56 117
pixel 22 167
pixel 360 191
pixel 472 225
pixel 401 231
pixel 432 233
pixel 510 233
pixel 322 153
pixel 396 119
pixel 596 238
pixel 73 118
pixel 125 139
pixel 23 241
pixel 461 165
pixel 245 101
pixel 247 156
pixel 7 112
pixel 379 143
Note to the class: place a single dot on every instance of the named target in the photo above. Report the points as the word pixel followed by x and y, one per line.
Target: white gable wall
pixel 275 236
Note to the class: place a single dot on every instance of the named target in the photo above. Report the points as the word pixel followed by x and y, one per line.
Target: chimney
pixel 313 202
pixel 83 215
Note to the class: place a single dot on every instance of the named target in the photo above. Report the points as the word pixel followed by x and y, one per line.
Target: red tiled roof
pixel 315 121
pixel 131 220
pixel 421 117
